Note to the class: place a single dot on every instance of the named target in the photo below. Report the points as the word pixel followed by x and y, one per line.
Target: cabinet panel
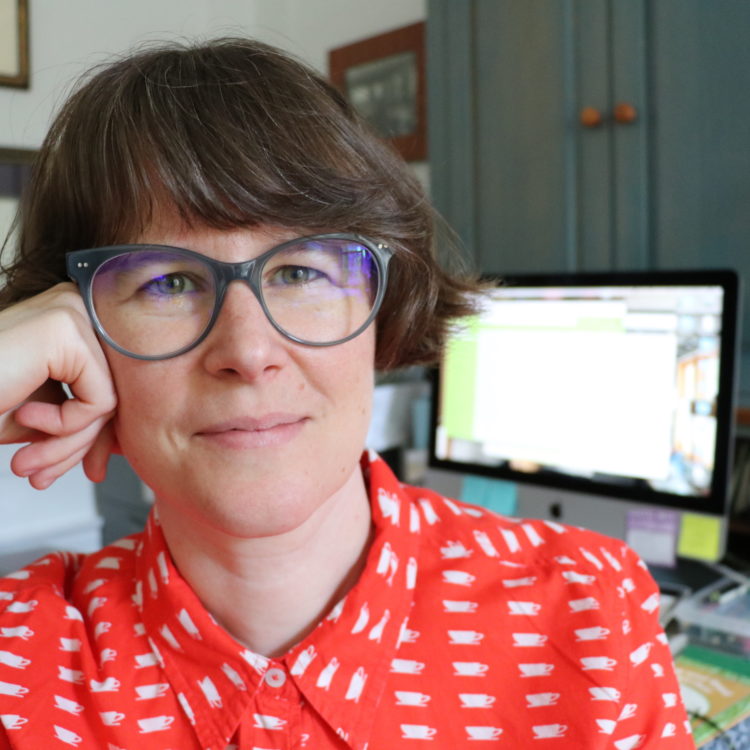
pixel 700 168
pixel 525 158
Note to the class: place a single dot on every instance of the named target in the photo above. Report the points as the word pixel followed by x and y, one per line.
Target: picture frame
pixel 14 43
pixel 384 78
pixel 15 172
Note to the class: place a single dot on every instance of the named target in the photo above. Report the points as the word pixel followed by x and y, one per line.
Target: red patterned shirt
pixel 465 630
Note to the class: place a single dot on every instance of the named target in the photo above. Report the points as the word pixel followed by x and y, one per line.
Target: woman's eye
pixel 170 284
pixel 296 275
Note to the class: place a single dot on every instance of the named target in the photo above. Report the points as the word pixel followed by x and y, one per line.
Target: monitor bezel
pixel 717 501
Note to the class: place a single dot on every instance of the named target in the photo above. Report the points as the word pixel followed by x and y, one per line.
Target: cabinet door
pixel 700 164
pixel 514 172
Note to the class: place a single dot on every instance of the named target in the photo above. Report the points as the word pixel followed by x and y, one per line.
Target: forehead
pixel 167 227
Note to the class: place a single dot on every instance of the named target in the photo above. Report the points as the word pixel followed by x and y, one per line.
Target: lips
pixel 254 432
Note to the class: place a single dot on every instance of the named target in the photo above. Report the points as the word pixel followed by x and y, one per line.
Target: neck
pixel 270 592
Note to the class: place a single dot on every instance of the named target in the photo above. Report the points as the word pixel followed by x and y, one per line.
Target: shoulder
pixel 46 604
pixel 462 527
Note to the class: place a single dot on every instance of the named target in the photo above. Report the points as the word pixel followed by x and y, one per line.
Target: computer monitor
pixel 595 392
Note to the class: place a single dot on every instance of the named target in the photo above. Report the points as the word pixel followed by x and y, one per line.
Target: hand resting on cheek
pixel 47 340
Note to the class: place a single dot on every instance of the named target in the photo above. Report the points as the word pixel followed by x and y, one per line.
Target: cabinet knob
pixel 590 117
pixel 625 113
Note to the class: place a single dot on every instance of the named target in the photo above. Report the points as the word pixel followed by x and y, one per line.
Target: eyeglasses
pixel 157 301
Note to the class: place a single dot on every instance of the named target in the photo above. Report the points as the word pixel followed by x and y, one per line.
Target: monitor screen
pixel 618 384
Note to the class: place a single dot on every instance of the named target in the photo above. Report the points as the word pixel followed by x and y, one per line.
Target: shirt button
pixel 275 677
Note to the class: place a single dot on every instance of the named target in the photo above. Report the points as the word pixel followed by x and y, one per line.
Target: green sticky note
pixel 495 494
pixel 700 537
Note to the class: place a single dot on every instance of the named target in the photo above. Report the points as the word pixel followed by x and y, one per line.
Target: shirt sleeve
pixel 653 715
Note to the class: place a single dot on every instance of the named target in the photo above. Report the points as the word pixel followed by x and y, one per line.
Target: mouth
pixel 251 432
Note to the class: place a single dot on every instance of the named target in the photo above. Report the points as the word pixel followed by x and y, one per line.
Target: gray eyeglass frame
pixel 82 266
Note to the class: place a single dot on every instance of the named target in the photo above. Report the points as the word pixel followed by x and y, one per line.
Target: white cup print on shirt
pixel 465 637
pixel 669 730
pixel 14 660
pixel 606 726
pixel 410 698
pixel 417 732
pixel 13 721
pixel 469 669
pixel 596 633
pixel 22 607
pixel 458 577
pixel 111 718
pixel 210 692
pixel 524 608
pixel 536 670
pixel 581 605
pixel 483 733
pixel 604 694
pixel 527 640
pixel 145 660
pixel 304 658
pixel 606 663
pixel 21 631
pixel 535 700
pixel 630 743
pixel 628 711
pixel 107 685
pixel 326 675
pixel 155 724
pixel 670 699
pixel 70 675
pixel 459 606
pixel 640 654
pixel 65 704
pixel 9 688
pixel 356 685
pixel 149 692
pixel 476 700
pixel 572 577
pixel 264 721
pixel 67 736
pixel 406 666
pixel 547 731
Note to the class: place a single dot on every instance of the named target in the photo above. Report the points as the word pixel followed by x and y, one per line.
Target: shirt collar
pixel 341 668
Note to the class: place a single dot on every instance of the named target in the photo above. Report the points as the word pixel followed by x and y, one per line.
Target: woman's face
pixel 249 432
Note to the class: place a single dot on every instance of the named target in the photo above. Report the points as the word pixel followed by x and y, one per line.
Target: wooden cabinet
pixel 530 187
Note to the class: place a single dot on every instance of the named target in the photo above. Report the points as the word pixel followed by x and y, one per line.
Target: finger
pixel 41 480
pixel 51 451
pixel 96 459
pixel 12 432
pixel 52 419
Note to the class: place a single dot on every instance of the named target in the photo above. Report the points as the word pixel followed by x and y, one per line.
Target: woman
pixel 287 591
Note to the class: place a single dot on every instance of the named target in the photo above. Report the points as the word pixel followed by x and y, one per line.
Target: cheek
pixel 144 390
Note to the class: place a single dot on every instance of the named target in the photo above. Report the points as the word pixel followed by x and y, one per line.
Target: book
pixel 714 686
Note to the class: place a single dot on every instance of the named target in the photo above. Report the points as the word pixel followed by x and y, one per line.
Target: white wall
pixel 68 37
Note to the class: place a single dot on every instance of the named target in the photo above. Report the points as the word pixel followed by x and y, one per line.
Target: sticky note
pixel 700 537
pixel 653 535
pixel 495 494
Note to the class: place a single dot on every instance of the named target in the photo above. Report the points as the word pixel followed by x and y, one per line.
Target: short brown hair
pixel 231 133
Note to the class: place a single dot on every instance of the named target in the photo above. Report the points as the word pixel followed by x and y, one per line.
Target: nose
pixel 243 343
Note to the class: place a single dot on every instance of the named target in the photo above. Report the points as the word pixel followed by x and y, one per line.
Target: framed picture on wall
pixel 15 170
pixel 384 78
pixel 14 43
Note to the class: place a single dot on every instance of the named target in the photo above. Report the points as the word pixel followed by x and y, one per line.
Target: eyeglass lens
pixel 156 302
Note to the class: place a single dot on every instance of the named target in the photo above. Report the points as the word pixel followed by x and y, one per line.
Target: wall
pixel 68 37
